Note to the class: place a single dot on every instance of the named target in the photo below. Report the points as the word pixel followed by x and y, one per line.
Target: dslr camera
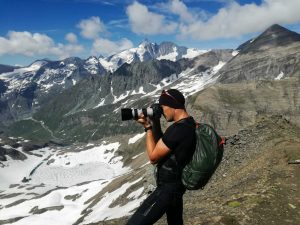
pixel 155 111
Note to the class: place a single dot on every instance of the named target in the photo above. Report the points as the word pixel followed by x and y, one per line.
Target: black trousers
pixel 167 198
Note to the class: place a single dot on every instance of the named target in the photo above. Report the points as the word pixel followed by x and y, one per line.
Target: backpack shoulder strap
pixel 187 124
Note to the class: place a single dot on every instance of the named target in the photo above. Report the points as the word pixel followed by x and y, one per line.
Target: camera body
pixel 155 111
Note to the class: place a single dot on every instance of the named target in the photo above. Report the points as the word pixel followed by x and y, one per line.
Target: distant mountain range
pixel 26 90
pixel 56 94
pixel 44 78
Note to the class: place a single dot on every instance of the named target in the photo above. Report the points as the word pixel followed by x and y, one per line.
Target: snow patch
pixel 134 157
pixel 136 138
pixel 101 103
pixel 108 212
pixel 13 171
pixel 172 56
pixel 67 215
pixel 235 52
pixel 219 66
pixel 136 194
pixel 121 97
pixel 280 76
pixel 192 53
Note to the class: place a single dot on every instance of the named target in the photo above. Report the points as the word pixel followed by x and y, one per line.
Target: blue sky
pixel 56 29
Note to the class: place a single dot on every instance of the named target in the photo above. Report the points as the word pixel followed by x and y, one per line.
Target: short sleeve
pixel 171 137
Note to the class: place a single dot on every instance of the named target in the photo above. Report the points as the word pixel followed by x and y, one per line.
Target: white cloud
pixel 71 37
pixel 33 44
pixel 92 27
pixel 235 20
pixel 108 47
pixel 143 21
pixel 179 8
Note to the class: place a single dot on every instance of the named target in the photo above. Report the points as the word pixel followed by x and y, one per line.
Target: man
pixel 171 152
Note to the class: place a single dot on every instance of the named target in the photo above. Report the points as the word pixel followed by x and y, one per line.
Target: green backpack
pixel 206 158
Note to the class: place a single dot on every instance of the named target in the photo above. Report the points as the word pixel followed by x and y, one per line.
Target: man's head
pixel 171 101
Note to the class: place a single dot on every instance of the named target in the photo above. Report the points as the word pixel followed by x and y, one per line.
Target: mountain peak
pixel 145 42
pixel 274 36
pixel 276 28
pixel 280 32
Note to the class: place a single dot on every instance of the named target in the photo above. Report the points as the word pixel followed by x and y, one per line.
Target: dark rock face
pixel 274 36
pixel 129 77
pixel 211 59
pixel 3 87
pixel 275 54
pixel 6 68
pixel 13 153
pixel 3 106
pixel 167 47
pixel 27 147
pixel 2 154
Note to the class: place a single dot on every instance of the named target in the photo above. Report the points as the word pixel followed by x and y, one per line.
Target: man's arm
pixel 156 148
pixel 155 151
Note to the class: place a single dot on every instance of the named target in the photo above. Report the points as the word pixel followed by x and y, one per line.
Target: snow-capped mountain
pixel 25 90
pixel 46 78
pixel 148 51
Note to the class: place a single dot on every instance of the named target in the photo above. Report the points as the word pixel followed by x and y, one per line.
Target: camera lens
pixel 129 114
pixel 126 114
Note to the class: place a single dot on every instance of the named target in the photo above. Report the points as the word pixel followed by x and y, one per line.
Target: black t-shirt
pixel 181 139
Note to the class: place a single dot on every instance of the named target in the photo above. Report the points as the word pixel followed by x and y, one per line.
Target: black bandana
pixel 172 98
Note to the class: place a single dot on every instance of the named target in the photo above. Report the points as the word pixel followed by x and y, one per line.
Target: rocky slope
pixel 255 183
pixel 272 55
pixel 233 106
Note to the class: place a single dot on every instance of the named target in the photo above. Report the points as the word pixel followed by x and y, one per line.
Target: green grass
pixel 29 129
pixel 234 204
pixel 230 97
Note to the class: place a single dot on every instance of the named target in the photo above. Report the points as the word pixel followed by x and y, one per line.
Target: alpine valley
pixel 67 158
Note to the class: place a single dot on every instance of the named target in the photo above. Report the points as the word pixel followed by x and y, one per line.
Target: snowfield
pixel 61 181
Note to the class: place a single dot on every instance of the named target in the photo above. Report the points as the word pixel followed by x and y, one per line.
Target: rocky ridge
pixel 272 55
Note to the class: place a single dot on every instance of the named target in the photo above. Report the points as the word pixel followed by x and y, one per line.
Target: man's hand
pixel 145 121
